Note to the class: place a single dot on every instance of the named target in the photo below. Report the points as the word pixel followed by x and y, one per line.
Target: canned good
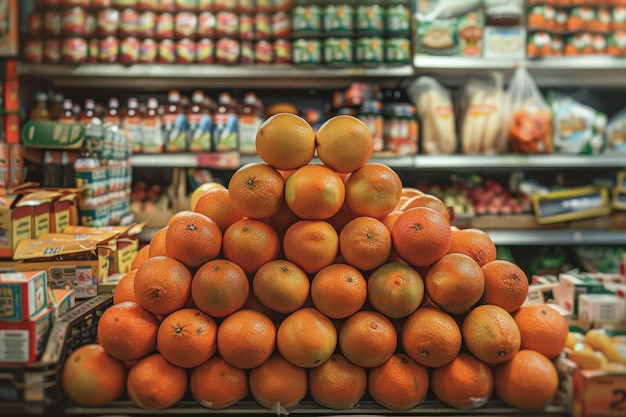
pixel 263 52
pixel 73 21
pixel 107 22
pixel 282 51
pixel 148 5
pixel 129 50
pixel 108 49
pixel 74 50
pixel 100 4
pixel 52 51
pixel 222 5
pixel 339 19
pixel 93 51
pixel 148 51
pixel 246 53
pixel 307 52
pixel 146 26
pixel 186 5
pixel 206 25
pixel 245 6
pixel 246 27
pixel 338 51
pixel 52 23
pixel 185 51
pixel 167 6
pixel 227 51
pixel 166 51
pixel 33 51
pixel 205 49
pixel 282 5
pixel 370 50
pixel 281 25
pixel 265 6
pixel 207 5
pixel 75 3
pixel 397 51
pixel 35 25
pixel 227 24
pixel 306 20
pixel 90 26
pixel 185 25
pixel 398 20
pixel 165 26
pixel 262 26
pixel 370 19
pixel 129 22
pixel 122 4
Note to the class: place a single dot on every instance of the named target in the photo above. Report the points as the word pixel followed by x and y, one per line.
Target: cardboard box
pixel 22 295
pixel 40 203
pixel 598 393
pixel 23 342
pixel 601 308
pixel 15 223
pixel 571 204
pixel 11 96
pixel 571 286
pixel 61 301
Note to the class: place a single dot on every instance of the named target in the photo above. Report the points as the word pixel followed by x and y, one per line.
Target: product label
pixel 152 135
pixel 175 132
pixel 132 125
pixel 14 346
pixel 200 130
pixel 248 127
pixel 225 136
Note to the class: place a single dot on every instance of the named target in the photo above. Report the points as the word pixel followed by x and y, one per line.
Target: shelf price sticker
pixel 601 393
pixel 226 160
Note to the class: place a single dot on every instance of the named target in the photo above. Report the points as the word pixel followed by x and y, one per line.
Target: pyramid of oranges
pixel 327 280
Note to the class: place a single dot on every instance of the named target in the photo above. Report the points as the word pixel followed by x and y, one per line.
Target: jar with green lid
pixel 338 19
pixel 306 20
pixel 338 51
pixel 370 19
pixel 370 51
pixel 398 20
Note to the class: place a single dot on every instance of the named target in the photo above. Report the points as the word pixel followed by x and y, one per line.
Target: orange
pixel 200 191
pixel 216 205
pixel 311 244
pixel 337 383
pixel 162 285
pixel 314 191
pixel 344 143
pixel 390 219
pixel 465 383
pixel 431 337
pixel 506 285
pixel 285 141
pixel 219 288
pixel 217 385
pixel 192 238
pixel 341 218
pixel 256 190
pixel 125 288
pixel 155 384
pixel 367 338
pixel 157 243
pixel 246 339
pixel 410 192
pixel 455 283
pixel 250 243
pixel 282 219
pixel 253 303
pixel 140 258
pixel 187 337
pixel 281 286
pixel 365 243
pixel 542 328
pixel 306 338
pixel 373 190
pixel 490 333
pixel 91 377
pixel 426 200
pixel 421 236
pixel 338 290
pixel 395 289
pixel 399 384
pixel 127 331
pixel 475 243
pixel 528 381
pixel 277 384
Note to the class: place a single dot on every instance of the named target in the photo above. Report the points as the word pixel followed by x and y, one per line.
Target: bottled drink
pixel 113 112
pixel 151 128
pixel 225 137
pixel 249 122
pixel 132 123
pixel 89 112
pixel 67 112
pixel 40 111
pixel 56 106
pixel 174 123
pixel 200 123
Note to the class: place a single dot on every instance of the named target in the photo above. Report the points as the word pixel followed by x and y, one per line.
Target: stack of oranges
pixel 327 279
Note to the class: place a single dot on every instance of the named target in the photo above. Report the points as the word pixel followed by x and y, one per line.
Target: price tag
pixel 603 395
pixel 218 160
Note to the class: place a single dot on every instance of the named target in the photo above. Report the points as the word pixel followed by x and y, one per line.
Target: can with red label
pixel 108 49
pixel 52 51
pixel 107 22
pixel 227 51
pixel 245 6
pixel 165 26
pixel 205 50
pixel 33 51
pixel 74 50
pixel 206 25
pixel 263 52
pixel 185 25
pixel 146 27
pixel 129 22
pixel 73 21
pixel 246 27
pixel 90 25
pixel 185 51
pixel 148 51
pixel 93 51
pixel 129 50
pixel 166 51
pixel 167 6
pixel 35 25
pixel 281 25
pixel 52 23
pixel 264 6
pixel 262 26
pixel 226 24
pixel 246 52
pixel 282 51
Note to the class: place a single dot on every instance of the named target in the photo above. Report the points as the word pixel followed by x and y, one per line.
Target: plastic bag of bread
pixel 529 118
pixel 436 113
pixel 482 120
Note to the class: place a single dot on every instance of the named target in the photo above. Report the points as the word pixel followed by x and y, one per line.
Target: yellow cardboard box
pixel 15 223
pixel 571 204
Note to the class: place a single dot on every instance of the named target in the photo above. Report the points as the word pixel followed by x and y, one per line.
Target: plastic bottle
pixel 174 123
pixel 200 123
pixel 56 106
pixel 132 123
pixel 67 112
pixel 113 112
pixel 249 122
pixel 93 209
pixel 40 111
pixel 153 141
pixel 89 112
pixel 225 137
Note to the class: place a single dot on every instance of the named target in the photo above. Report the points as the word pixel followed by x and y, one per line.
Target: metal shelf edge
pixel 557 237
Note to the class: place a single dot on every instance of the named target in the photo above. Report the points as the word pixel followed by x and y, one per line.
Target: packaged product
pixel 616 132
pixel 483 116
pixel 436 113
pixel 529 118
pixel 578 128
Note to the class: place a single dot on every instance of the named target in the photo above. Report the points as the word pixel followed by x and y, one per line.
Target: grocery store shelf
pixel 557 237
pixel 159 76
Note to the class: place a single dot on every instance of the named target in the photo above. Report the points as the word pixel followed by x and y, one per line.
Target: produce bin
pixel 35 389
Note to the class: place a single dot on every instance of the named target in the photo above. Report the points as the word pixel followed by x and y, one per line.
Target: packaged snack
pixel 616 132
pixel 539 45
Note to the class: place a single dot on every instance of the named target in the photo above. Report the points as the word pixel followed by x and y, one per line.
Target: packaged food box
pixel 22 342
pixel 571 204
pixel 571 286
pixel 22 295
pixel 61 301
pixel 15 223
pixel 601 308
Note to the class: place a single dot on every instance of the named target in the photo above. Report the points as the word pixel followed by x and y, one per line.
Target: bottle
pixel 225 136
pixel 40 111
pixel 200 123
pixel 131 122
pixel 67 112
pixel 89 112
pixel 153 141
pixel 93 208
pixel 248 124
pixel 174 123
pixel 56 106
pixel 113 112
